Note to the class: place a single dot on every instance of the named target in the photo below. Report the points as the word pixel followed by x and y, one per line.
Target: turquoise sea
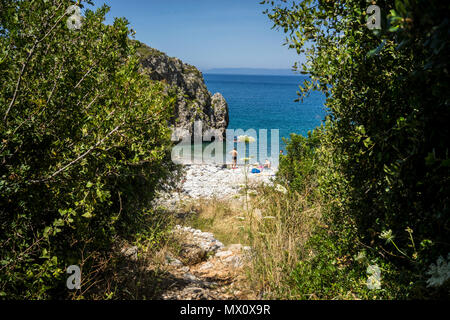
pixel 264 102
pixel 268 102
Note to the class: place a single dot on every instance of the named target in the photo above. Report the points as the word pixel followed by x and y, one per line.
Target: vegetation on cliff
pixel 194 102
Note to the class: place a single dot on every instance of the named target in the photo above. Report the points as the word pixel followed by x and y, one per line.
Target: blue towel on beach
pixel 254 170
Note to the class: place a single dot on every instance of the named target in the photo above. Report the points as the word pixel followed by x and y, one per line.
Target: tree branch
pixel 25 64
pixel 80 157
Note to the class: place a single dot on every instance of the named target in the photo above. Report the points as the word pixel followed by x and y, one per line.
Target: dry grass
pixel 278 239
pixel 119 277
pixel 130 270
pixel 224 218
pixel 276 227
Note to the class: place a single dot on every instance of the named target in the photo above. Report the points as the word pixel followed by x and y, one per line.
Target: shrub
pixel 387 96
pixel 84 144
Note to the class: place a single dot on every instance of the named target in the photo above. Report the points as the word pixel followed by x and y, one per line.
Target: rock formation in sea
pixel 194 101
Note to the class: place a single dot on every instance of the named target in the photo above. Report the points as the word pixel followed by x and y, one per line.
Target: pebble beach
pixel 213 181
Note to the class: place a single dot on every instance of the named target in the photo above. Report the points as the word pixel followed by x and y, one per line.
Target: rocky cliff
pixel 194 101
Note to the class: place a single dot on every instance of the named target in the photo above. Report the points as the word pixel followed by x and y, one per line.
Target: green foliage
pixel 387 96
pixel 147 52
pixel 84 144
pixel 298 167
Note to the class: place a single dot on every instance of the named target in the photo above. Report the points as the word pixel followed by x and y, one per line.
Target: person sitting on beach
pixel 234 155
pixel 259 166
pixel 267 164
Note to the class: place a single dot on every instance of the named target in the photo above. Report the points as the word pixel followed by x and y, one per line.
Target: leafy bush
pixel 299 165
pixel 387 93
pixel 84 144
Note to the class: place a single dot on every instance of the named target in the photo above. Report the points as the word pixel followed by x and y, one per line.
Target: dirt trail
pixel 204 269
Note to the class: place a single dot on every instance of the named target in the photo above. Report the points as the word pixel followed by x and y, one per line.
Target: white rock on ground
pixel 212 181
pixel 202 257
pixel 204 240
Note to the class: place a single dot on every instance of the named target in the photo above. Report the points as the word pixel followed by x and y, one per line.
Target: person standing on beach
pixel 234 155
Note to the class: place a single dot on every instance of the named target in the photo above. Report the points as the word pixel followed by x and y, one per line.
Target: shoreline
pixel 210 181
pixel 214 181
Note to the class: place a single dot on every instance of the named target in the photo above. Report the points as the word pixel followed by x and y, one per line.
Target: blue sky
pixel 207 33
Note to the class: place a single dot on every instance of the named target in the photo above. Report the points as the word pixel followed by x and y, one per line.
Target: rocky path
pixel 205 269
